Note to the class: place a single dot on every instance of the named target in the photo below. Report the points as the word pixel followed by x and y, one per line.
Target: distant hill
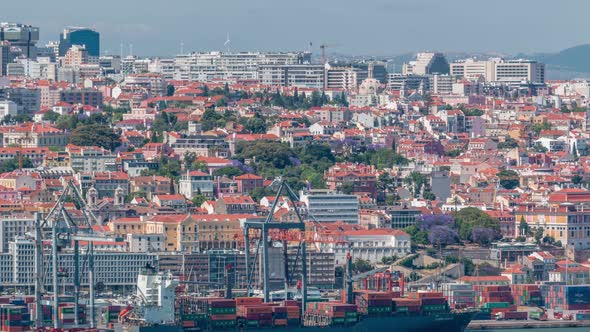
pixel 574 59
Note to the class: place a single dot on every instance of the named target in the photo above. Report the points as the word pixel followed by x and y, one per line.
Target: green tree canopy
pixel 273 153
pixel 509 179
pixel 10 165
pixel 468 219
pixel 509 143
pixel 95 134
pixel 229 171
pixel 50 116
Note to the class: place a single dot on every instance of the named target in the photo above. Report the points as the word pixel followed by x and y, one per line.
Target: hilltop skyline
pixel 384 27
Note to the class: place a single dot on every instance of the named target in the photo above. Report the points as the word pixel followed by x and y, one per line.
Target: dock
pixel 522 324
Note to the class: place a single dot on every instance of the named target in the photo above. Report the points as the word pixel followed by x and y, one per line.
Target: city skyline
pixel 384 27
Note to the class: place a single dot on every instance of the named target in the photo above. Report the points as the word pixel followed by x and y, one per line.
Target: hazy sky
pixel 379 27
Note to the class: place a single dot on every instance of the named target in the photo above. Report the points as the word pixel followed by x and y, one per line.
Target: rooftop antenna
pixel 121 50
pixel 227 41
pixel 181 47
pixel 130 49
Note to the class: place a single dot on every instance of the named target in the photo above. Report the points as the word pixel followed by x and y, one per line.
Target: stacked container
pixel 222 313
pixel 527 295
pixel 459 295
pixel 14 318
pixel 279 316
pixel 568 297
pixel 371 303
pixel 493 294
pixel 406 306
pixel 293 312
pixel 338 313
pixel 493 308
pixel 259 315
pixel 193 321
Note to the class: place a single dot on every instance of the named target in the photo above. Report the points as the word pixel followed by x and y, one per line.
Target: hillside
pixel 574 59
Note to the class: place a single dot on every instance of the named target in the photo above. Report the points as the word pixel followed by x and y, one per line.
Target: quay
pixel 522 324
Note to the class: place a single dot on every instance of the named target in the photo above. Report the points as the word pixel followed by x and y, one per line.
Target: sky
pixel 355 27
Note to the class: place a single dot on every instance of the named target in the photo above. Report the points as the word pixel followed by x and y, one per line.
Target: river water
pixel 549 329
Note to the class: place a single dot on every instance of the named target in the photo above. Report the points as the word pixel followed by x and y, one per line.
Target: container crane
pixel 60 229
pixel 266 228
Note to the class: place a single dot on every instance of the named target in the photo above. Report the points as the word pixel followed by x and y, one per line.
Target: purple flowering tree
pixel 483 235
pixel 431 220
pixel 442 236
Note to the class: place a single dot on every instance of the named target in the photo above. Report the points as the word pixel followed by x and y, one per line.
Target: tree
pixel 256 125
pixel 170 90
pixel 473 112
pixel 95 135
pixel 577 179
pixel 538 234
pixel 221 102
pixel 361 266
pixel 211 120
pixel 417 236
pixel 273 153
pixel 204 90
pixel 523 227
pixel 388 260
pixel 50 116
pixel 509 143
pixel 347 188
pixel 483 235
pixel 10 165
pixel 66 122
pixel 258 193
pixel 509 179
pixel 538 127
pixel 441 236
pixel 417 181
pixel 229 171
pixel 453 153
pixel 199 199
pixel 467 219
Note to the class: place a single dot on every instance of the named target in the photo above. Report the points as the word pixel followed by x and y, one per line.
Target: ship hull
pixel 456 322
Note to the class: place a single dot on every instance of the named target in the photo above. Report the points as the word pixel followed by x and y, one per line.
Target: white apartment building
pixel 8 107
pixel 341 78
pixel 92 159
pixel 441 84
pixel 302 76
pixel 194 182
pixel 162 66
pixel 499 70
pixel 14 225
pixel 329 206
pixel 426 63
pixel 146 242
pixel 152 82
pixel 113 268
pixel 208 66
pixel 371 245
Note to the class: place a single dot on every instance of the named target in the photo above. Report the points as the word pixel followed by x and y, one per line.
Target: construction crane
pixel 60 229
pixel 323 49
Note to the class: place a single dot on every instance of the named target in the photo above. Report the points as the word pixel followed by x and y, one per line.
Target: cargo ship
pixel 156 307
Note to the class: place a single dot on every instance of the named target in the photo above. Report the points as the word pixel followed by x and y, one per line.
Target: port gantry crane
pixel 284 231
pixel 60 229
pixel 266 228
